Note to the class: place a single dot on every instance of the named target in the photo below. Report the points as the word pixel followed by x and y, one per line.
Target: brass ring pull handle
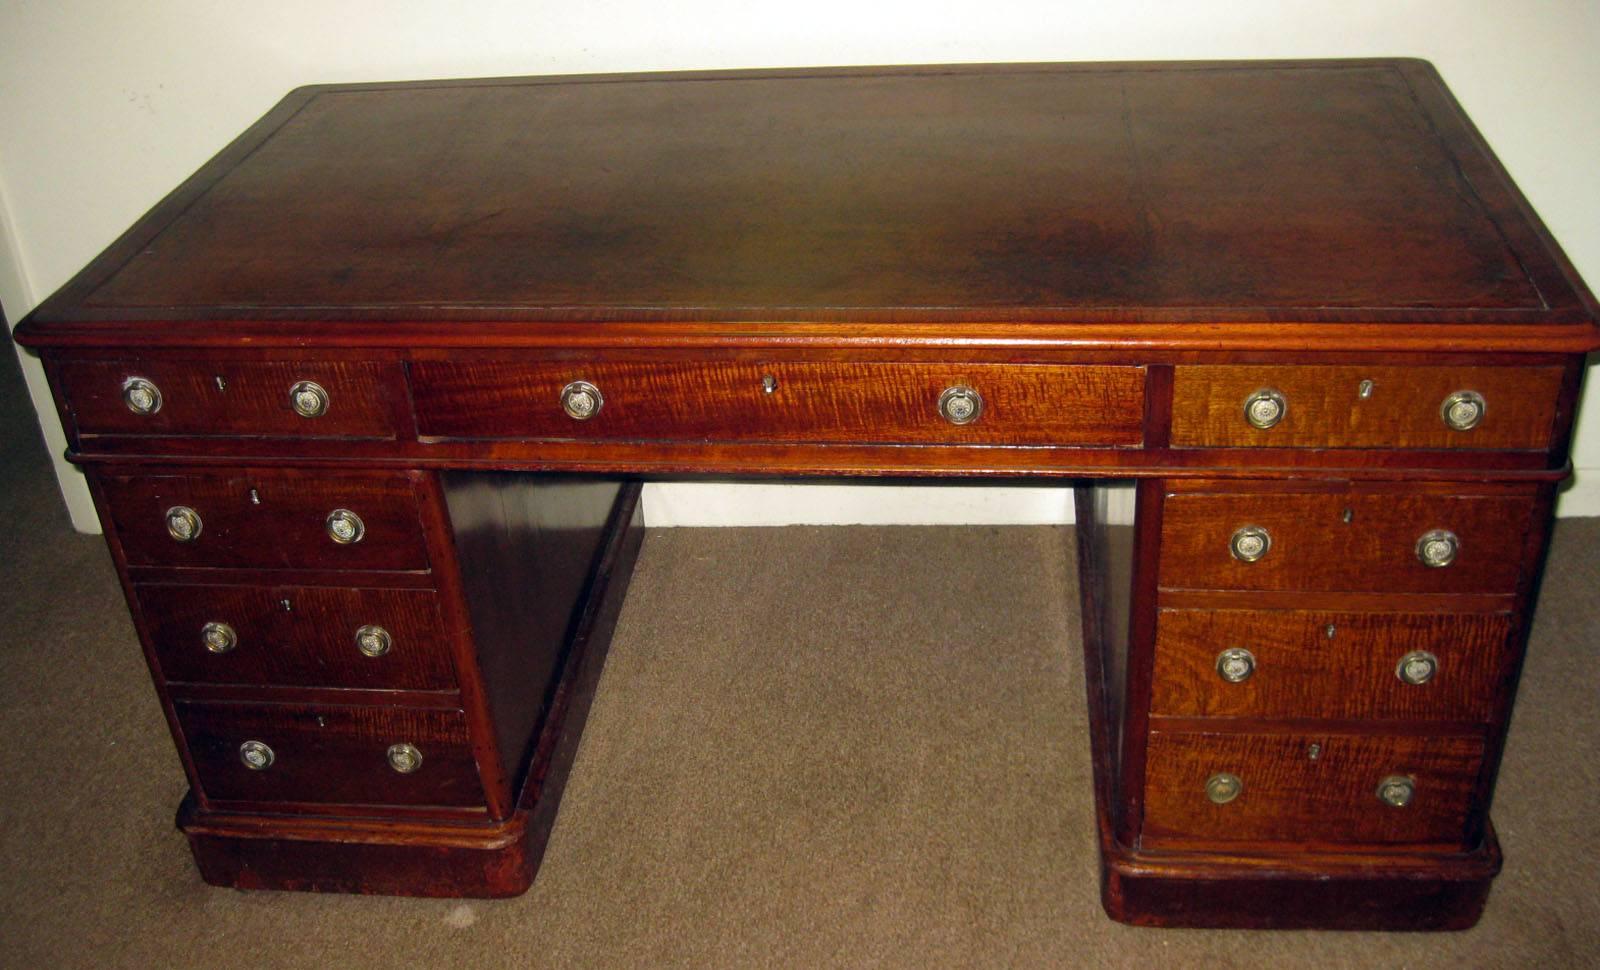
pixel 404 758
pixel 1265 408
pixel 581 400
pixel 373 640
pixel 256 755
pixel 218 637
pixel 1417 668
pixel 960 404
pixel 141 396
pixel 345 527
pixel 1397 791
pixel 183 523
pixel 1438 548
pixel 308 399
pixel 1250 543
pixel 1463 410
pixel 1236 665
pixel 1223 787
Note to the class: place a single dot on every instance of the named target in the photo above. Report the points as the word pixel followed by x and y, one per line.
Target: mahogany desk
pixel 365 403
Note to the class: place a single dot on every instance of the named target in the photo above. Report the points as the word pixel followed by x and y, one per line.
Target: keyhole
pixel 1348 515
pixel 1330 630
pixel 255 497
pixel 222 385
pixel 1314 752
pixel 288 607
pixel 769 384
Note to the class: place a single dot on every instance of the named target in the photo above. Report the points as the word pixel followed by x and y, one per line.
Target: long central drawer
pixel 797 401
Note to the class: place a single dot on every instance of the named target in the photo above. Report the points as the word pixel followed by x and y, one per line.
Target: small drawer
pixel 267 520
pixel 813 402
pixel 334 755
pixel 1309 788
pixel 304 636
pixel 1345 541
pixel 1274 406
pixel 158 396
pixel 1293 663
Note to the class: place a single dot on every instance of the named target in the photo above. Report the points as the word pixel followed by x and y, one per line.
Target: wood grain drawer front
pixel 231 397
pixel 1313 548
pixel 268 519
pixel 1287 795
pixel 1028 404
pixel 1331 665
pixel 1324 407
pixel 304 636
pixel 330 755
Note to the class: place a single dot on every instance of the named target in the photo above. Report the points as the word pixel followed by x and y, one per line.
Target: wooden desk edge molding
pixel 365 405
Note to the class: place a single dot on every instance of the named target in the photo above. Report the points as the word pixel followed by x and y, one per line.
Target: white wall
pixel 105 105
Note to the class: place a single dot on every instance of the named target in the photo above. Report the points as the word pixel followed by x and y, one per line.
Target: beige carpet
pixel 856 747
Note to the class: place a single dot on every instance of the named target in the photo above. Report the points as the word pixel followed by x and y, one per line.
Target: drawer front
pixel 231 397
pixel 1313 548
pixel 1332 665
pixel 1286 795
pixel 1363 407
pixel 266 519
pixel 331 755
pixel 1034 404
pixel 305 636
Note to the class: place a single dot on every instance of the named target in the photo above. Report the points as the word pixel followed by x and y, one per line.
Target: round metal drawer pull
pixel 1265 408
pixel 256 755
pixel 960 404
pixel 1397 790
pixel 1417 667
pixel 345 527
pixel 1235 665
pixel 183 523
pixel 373 640
pixel 1250 543
pixel 141 396
pixel 308 399
pixel 1438 548
pixel 581 400
pixel 219 637
pixel 404 758
pixel 1463 410
pixel 1223 788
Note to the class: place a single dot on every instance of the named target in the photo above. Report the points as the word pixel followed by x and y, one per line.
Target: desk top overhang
pixel 1257 205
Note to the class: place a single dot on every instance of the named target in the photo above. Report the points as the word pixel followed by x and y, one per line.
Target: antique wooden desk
pixel 365 403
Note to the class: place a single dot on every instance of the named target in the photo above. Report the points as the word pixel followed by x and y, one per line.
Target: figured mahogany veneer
pixel 1315 548
pixel 780 273
pixel 1290 796
pixel 298 635
pixel 267 519
pixel 332 754
pixel 1330 664
pixel 230 397
pixel 1326 409
pixel 1028 404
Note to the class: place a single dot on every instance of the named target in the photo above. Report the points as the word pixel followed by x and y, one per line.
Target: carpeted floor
pixel 857 747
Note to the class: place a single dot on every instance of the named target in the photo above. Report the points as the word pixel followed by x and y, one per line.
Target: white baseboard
pixel 1582 495
pixel 765 504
